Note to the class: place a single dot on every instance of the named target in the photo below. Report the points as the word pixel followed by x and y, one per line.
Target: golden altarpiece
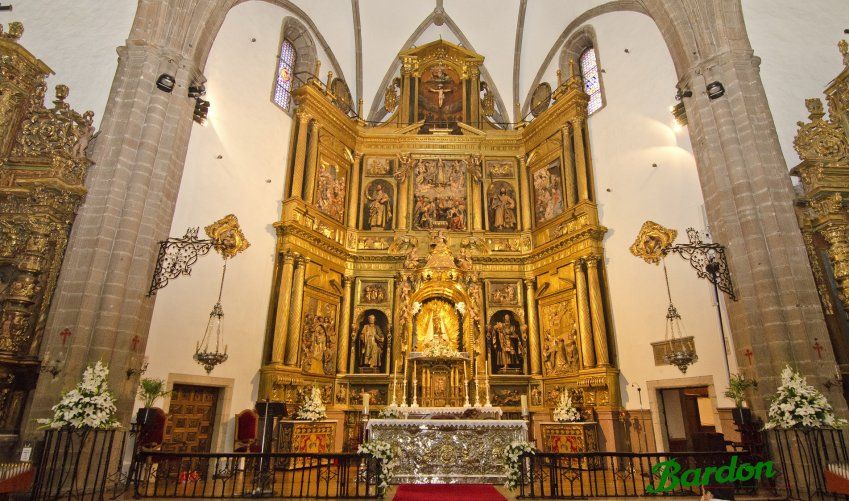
pixel 42 170
pixel 437 259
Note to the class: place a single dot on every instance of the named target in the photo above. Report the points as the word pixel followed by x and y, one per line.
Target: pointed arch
pixel 581 41
pixel 294 37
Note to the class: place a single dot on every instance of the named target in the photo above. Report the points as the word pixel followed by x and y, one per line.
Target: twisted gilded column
pixel 344 327
pixel 293 342
pixel 837 236
pixel 312 163
pixel 583 175
pixel 597 312
pixel 584 328
pixel 300 155
pixel 281 319
pixel 525 194
pixel 568 166
pixel 533 331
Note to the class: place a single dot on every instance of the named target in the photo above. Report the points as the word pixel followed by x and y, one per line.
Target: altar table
pixel 455 451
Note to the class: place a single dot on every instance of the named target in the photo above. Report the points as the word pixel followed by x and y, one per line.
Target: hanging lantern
pixel 213 336
pixel 678 351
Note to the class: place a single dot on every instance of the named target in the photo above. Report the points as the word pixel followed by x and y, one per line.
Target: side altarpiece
pixel 434 232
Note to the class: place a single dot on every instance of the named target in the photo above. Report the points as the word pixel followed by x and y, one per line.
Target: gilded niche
pixel 372 336
pixel 502 207
pixel 440 96
pixel 377 205
pixel 507 348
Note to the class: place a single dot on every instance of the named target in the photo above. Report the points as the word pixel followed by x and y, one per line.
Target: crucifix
pixel 818 348
pixel 65 334
pixel 748 354
pixel 441 91
pixel 135 342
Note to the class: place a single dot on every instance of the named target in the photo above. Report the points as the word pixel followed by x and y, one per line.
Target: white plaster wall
pixel 77 39
pixel 252 136
pixel 632 132
pixel 797 44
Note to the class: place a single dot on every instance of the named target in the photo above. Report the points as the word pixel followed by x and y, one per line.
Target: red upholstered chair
pixel 152 431
pixel 247 424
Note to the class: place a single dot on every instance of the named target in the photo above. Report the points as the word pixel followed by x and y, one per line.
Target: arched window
pixel 285 75
pixel 592 84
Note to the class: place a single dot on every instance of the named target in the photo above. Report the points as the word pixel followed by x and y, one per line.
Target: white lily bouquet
pixel 89 405
pixel 312 409
pixel 799 405
pixel 565 412
pixel 513 460
pixel 382 452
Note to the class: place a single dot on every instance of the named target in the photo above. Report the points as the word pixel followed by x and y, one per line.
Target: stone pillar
pixel 293 343
pixel 584 329
pixel 281 319
pixel 533 331
pixel 344 327
pixel 101 293
pixel 354 193
pixel 525 196
pixel 580 160
pixel 568 166
pixel 312 163
pixel 300 155
pixel 597 312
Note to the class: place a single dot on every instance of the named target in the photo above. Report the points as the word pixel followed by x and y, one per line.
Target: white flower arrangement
pixel 441 351
pixel 312 409
pixel 389 412
pixel 799 405
pixel 383 453
pixel 461 308
pixel 513 460
pixel 88 406
pixel 565 412
pixel 417 307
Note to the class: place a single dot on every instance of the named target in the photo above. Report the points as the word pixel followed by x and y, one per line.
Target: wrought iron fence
pixel 613 474
pixel 804 456
pixel 79 465
pixel 271 475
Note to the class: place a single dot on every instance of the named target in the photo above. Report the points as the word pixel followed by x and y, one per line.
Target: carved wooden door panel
pixel 191 418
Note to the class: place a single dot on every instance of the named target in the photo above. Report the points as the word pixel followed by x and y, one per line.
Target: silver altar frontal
pixel 448 450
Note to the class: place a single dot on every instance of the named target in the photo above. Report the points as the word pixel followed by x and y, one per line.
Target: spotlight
pixel 165 82
pixel 201 110
pixel 715 90
pixel 682 94
pixel 196 90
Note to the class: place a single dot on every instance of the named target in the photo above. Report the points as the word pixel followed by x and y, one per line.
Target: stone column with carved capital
pixel 344 327
pixel 568 166
pixel 597 312
pixel 524 198
pixel 300 155
pixel 583 174
pixel 311 166
pixel 584 322
pixel 293 343
pixel 533 331
pixel 281 318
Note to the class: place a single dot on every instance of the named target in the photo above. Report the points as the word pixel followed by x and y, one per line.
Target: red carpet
pixel 447 492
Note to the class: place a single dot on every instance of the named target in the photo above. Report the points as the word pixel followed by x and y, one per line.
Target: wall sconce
pixel 52 365
pixel 196 90
pixel 201 110
pixel 165 82
pixel 682 94
pixel 715 90
pixel 137 366
pixel 679 113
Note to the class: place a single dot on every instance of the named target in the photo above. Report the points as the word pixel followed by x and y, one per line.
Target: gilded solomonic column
pixel 293 343
pixel 533 331
pixel 597 312
pixel 568 166
pixel 281 320
pixel 580 159
pixel 354 195
pixel 312 162
pixel 300 155
pixel 586 334
pixel 344 327
pixel 523 182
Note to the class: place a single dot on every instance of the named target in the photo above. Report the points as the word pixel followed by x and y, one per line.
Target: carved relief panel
pixel 440 200
pixel 330 189
pixel 547 182
pixel 559 334
pixel 319 334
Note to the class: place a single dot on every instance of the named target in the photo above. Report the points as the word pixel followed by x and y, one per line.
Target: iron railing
pixel 615 474
pixel 804 456
pixel 269 475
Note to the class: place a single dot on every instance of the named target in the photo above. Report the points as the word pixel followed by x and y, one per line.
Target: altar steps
pixel 447 492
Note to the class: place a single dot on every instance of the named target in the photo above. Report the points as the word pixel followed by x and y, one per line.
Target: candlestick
pixel 415 403
pixel 404 385
pixel 524 405
pixel 394 385
pixel 466 385
pixel 486 375
pixel 366 398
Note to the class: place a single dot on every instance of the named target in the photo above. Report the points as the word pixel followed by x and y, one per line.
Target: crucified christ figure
pixel 441 91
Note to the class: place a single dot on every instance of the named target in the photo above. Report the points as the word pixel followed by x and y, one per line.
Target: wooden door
pixel 191 418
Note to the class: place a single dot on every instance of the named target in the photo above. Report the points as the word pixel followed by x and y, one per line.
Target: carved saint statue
pixel 371 338
pixel 379 208
pixel 504 210
pixel 509 344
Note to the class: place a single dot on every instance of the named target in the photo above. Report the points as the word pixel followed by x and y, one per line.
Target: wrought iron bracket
pixel 176 257
pixel 708 259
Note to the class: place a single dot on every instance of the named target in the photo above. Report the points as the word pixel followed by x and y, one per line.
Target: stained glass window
pixel 592 85
pixel 285 74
